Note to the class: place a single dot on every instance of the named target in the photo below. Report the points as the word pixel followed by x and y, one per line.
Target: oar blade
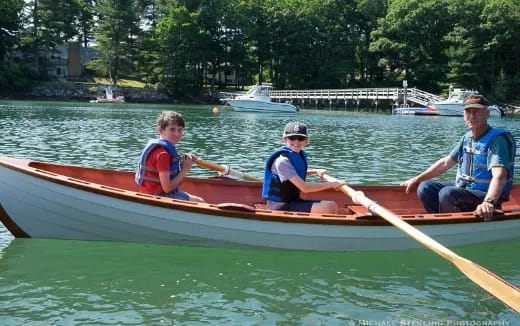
pixel 503 290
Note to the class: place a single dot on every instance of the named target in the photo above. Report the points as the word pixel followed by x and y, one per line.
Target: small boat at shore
pixel 415 111
pixel 258 99
pixel 109 97
pixel 47 200
pixel 119 99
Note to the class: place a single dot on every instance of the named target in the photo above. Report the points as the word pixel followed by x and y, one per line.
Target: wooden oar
pixel 500 288
pixel 225 170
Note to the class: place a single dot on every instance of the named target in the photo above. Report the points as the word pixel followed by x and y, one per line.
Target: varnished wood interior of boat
pixel 219 190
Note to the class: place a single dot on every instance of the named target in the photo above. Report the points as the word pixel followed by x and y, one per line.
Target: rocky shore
pixel 67 91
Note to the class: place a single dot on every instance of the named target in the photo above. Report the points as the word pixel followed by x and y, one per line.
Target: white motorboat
pixel 453 105
pixel 258 99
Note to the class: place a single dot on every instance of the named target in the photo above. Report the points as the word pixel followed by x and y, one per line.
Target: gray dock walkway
pixel 397 96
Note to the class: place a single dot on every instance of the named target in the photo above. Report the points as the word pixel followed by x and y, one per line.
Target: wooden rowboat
pixel 45 200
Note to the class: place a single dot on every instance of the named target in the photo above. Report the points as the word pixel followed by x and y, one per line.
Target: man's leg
pixel 428 193
pixel 454 199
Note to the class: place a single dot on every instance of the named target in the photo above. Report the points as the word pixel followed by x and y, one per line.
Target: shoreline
pixel 509 109
pixel 87 101
pixel 202 100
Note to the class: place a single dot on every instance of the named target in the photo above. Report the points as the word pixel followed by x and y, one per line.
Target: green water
pixel 56 282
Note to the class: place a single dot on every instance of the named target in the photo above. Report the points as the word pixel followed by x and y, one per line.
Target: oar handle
pixel 225 170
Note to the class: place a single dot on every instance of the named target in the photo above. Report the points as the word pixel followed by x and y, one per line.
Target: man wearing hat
pixel 285 173
pixel 485 157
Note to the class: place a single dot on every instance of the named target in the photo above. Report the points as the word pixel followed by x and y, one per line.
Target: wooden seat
pixel 260 206
pixel 361 210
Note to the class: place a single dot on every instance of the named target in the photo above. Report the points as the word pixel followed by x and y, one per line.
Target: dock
pixel 351 98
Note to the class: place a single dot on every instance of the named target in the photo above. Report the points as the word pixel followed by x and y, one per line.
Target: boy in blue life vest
pixel 285 173
pixel 160 171
pixel 485 158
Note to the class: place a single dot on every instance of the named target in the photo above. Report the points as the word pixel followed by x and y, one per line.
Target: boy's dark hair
pixel 169 117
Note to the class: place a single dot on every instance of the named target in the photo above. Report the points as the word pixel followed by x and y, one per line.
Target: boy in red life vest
pixel 160 171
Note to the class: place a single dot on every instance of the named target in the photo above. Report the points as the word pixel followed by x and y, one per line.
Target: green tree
pixel 464 45
pixel 253 19
pixel 221 37
pixel 48 23
pixel 85 21
pixel 501 25
pixel 10 25
pixel 177 39
pixel 116 33
pixel 410 41
pixel 310 43
pixel 361 24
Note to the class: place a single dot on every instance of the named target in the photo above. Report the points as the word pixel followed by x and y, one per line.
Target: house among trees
pixel 225 76
pixel 65 62
pixel 68 61
pixel 57 62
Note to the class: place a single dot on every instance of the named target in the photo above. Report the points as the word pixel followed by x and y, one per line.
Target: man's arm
pixel 436 169
pixel 498 181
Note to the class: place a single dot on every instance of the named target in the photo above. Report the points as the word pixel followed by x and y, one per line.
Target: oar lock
pixel 225 173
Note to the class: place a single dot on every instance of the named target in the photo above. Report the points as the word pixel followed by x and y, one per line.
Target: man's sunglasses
pixel 300 138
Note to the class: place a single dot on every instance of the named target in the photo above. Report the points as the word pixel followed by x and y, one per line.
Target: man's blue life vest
pixel 472 169
pixel 285 191
pixel 142 168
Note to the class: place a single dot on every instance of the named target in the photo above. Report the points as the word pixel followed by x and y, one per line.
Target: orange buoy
pixel 216 110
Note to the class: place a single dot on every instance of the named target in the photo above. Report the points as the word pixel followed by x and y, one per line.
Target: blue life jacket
pixel 285 191
pixel 472 169
pixel 142 168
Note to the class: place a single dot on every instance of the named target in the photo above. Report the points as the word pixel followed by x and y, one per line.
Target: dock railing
pixel 395 94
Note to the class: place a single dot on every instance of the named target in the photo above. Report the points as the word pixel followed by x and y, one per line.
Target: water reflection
pixel 92 282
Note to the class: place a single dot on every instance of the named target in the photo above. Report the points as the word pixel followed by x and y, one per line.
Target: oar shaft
pixel 226 170
pixel 501 289
pixel 211 166
pixel 405 227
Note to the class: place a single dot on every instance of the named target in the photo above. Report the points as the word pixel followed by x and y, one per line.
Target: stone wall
pixel 89 91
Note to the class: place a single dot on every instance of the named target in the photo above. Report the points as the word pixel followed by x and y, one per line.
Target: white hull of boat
pixel 453 106
pixel 455 110
pixel 46 208
pixel 118 99
pixel 261 106
pixel 414 111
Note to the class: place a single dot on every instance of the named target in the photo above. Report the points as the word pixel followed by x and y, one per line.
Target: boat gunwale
pixel 236 210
